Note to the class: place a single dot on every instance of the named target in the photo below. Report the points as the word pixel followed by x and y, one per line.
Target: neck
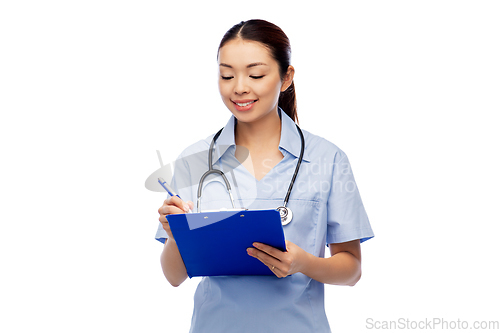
pixel 264 132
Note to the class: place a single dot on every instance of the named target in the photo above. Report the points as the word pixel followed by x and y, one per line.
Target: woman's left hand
pixel 280 263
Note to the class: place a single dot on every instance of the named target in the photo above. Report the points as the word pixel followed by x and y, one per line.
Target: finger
pixel 176 201
pixel 281 266
pixel 272 268
pixel 272 251
pixel 164 219
pixel 277 272
pixel 265 258
pixel 170 209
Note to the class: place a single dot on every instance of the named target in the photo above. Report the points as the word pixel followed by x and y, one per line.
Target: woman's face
pixel 249 80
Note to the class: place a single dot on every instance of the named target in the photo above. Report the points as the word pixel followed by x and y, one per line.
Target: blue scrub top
pixel 326 207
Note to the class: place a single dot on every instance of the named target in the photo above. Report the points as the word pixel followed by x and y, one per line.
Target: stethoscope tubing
pixel 297 167
pixel 211 170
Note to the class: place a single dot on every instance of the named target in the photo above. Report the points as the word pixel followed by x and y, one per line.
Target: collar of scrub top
pixel 289 140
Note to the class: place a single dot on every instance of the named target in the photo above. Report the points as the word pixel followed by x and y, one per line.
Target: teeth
pixel 244 104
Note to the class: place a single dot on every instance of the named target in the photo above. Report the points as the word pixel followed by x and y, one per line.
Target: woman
pixel 256 85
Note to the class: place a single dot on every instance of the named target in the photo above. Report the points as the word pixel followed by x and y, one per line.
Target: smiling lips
pixel 244 104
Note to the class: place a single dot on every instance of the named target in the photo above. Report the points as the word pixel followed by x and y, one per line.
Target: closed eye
pixel 226 77
pixel 256 77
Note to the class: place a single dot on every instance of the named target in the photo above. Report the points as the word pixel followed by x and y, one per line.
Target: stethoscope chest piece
pixel 285 214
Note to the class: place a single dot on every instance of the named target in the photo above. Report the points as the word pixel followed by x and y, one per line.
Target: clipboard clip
pixel 224 210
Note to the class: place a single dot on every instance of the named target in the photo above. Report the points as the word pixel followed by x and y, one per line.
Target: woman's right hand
pixel 173 205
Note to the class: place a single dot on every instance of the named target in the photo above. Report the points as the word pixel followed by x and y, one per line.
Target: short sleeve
pixel 180 183
pixel 346 216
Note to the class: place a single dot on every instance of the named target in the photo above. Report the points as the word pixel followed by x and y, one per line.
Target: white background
pixel 89 90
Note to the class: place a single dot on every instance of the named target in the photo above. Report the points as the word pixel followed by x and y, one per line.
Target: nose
pixel 241 86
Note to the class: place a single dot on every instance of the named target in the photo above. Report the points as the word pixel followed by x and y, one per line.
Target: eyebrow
pixel 248 66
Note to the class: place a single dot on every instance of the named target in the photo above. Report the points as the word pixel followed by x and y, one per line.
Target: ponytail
pixel 288 102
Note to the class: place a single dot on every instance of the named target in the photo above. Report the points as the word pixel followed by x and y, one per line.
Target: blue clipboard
pixel 215 243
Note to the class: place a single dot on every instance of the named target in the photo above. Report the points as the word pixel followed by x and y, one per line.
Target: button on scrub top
pixel 326 207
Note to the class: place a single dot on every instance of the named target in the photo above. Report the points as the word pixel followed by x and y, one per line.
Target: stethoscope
pixel 285 212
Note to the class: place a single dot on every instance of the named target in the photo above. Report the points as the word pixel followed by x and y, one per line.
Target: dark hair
pixel 273 38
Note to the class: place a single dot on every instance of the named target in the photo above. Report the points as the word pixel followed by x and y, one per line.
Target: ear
pixel 288 79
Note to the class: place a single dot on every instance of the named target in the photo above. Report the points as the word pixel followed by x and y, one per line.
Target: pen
pixel 169 189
